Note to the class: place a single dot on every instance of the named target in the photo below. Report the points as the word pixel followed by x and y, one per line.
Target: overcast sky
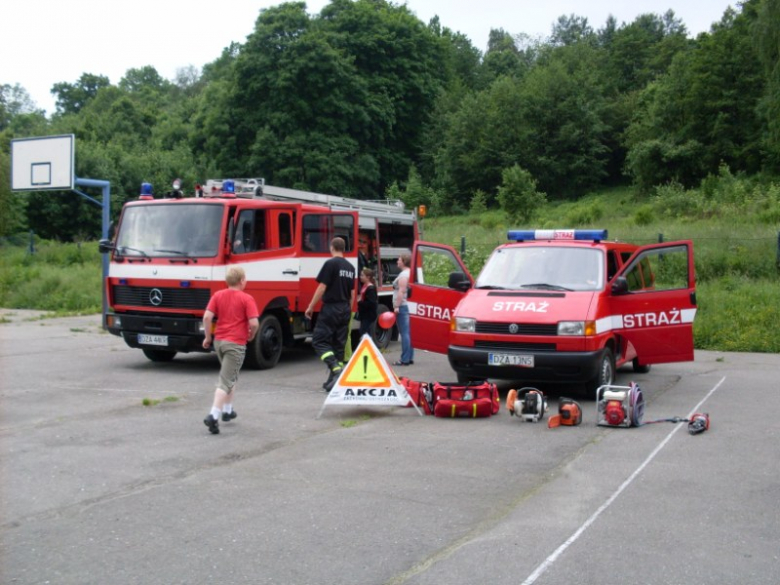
pixel 50 41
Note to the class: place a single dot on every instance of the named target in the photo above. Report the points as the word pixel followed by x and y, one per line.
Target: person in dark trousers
pixel 336 289
pixel 368 301
pixel 237 324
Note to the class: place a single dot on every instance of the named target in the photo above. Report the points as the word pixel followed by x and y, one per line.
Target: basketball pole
pixel 106 205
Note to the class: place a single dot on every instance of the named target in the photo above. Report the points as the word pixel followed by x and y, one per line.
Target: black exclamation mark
pixel 365 367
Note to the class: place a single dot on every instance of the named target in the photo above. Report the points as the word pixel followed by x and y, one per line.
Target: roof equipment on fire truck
pixel 527 403
pixel 569 414
pixel 581 235
pixel 620 406
pixel 146 191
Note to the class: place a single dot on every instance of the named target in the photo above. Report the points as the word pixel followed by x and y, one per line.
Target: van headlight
pixel 577 328
pixel 465 324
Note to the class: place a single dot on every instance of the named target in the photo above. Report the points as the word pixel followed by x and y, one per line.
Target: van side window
pixel 434 266
pixel 659 269
pixel 320 229
pixel 612 265
pixel 251 233
pixel 284 227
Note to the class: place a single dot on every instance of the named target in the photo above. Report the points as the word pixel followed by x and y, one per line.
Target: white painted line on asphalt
pixel 548 562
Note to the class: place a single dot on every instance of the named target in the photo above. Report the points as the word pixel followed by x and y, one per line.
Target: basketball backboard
pixel 43 163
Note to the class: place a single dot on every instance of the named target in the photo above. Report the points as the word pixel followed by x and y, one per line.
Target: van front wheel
pixel 606 372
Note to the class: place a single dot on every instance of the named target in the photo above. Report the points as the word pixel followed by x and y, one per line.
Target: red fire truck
pixel 556 306
pixel 170 255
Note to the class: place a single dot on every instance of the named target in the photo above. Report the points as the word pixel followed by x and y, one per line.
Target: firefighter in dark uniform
pixel 337 281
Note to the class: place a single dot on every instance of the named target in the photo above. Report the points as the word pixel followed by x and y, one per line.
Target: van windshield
pixel 177 230
pixel 543 268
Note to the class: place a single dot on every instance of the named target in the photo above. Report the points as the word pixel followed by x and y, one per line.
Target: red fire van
pixel 558 306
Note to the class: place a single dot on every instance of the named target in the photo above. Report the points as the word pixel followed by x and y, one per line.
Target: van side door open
pixel 653 303
pixel 438 282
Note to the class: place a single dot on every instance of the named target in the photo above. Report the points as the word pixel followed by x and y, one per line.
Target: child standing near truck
pixel 237 324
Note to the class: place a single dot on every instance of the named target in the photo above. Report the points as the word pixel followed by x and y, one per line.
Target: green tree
pixel 15 101
pixel 518 194
pixel 571 29
pixel 351 91
pixel 72 97
pixel 640 51
pixel 703 111
pixel 12 218
pixel 766 35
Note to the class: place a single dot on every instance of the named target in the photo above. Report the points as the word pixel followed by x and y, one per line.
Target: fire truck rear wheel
pixel 159 355
pixel 606 371
pixel 640 368
pixel 382 337
pixel 266 348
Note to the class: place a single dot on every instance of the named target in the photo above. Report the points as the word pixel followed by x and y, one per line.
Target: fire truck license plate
pixel 153 339
pixel 510 359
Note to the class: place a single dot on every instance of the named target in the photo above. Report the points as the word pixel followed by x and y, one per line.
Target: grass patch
pixel 349 423
pixel 155 402
pixel 58 277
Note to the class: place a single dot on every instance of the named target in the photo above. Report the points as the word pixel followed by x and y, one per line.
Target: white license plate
pixel 510 359
pixel 152 339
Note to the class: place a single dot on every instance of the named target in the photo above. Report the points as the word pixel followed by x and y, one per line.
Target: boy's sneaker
pixel 228 416
pixel 212 424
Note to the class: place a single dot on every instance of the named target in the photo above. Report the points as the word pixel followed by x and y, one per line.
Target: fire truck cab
pixel 555 306
pixel 170 255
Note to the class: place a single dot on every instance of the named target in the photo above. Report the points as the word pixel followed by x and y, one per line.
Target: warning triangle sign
pixel 366 367
pixel 368 380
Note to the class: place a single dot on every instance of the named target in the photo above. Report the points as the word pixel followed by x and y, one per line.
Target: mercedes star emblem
pixel 155 297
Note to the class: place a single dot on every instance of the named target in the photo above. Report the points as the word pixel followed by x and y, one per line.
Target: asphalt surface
pixel 98 488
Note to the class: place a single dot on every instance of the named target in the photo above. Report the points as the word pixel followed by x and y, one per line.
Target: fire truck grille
pixel 161 297
pixel 514 346
pixel 522 328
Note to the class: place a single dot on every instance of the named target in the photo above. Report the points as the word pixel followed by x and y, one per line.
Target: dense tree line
pixel 364 99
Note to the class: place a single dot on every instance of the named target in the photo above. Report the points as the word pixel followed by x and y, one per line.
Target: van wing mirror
pixel 620 286
pixel 458 281
pixel 105 246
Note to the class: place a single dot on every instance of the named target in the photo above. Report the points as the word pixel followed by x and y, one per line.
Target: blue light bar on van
pixel 530 235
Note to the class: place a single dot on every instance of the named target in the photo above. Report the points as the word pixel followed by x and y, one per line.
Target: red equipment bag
pixel 420 394
pixel 473 400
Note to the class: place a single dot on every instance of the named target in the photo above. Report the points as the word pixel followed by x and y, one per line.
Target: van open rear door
pixel 438 282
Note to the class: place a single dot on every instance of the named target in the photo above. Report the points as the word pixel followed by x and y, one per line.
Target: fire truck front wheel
pixel 266 348
pixel 159 355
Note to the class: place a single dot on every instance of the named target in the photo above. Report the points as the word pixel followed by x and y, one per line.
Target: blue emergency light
pixel 228 187
pixel 146 191
pixel 531 235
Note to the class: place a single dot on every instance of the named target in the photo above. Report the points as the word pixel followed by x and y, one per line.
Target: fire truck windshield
pixel 544 268
pixel 157 231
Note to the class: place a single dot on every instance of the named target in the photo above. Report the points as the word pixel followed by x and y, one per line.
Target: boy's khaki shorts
pixel 231 358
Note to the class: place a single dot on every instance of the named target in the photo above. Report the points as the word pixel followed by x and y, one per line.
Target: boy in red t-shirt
pixel 237 324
